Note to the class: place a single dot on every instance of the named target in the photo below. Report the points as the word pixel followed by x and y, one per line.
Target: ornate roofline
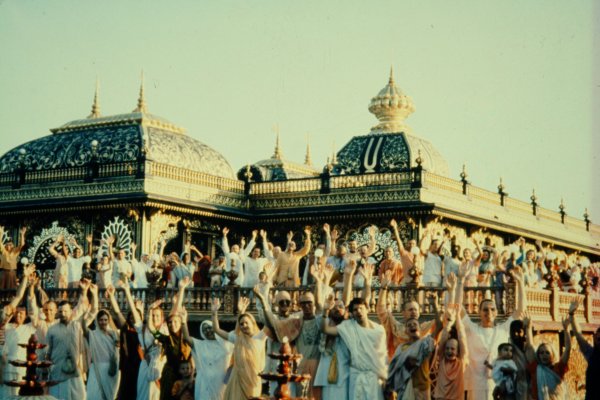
pixel 136 117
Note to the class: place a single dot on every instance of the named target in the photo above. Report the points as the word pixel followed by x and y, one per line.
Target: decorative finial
pixel 463 174
pixel 141 104
pixel 533 196
pixel 96 105
pixel 501 186
pixel 307 158
pixel 586 216
pixel 561 210
pixel 277 152
pixel 391 107
pixel 334 160
pixel 419 160
pixel 248 173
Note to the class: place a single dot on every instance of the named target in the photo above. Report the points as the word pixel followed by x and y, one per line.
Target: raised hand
pixel 328 273
pixel 133 247
pixel 517 274
pixel 84 284
pixel 89 238
pixel 263 234
pixel 526 319
pixel 290 235
pixel 372 230
pixel 216 305
pixel 451 281
pixel 94 289
pixel 316 273
pixel 23 230
pixel 254 234
pixel 386 279
pixel 139 304
pixel 334 234
pixel 463 269
pixel 183 283
pixel 350 267
pixel 307 230
pixel 225 231
pixel 110 291
pixel 565 321
pixel 243 242
pixel 243 304
pixel 574 306
pixel 367 272
pixel 156 304
pixel 110 240
pixel 326 228
pixel 394 224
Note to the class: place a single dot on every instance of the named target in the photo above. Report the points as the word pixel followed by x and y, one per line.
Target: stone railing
pixel 545 306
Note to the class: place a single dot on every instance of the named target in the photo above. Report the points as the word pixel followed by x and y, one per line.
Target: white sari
pixel 212 359
pixel 103 348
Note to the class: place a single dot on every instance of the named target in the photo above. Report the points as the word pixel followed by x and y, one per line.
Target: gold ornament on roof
pixel 96 105
pixel 141 104
pixel 391 107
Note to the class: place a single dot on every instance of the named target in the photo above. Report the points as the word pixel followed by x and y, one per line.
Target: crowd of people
pixel 149 353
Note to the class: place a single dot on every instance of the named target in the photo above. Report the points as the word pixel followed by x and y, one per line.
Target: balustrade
pixel 543 305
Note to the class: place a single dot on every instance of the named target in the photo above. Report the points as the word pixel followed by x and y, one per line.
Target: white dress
pixel 151 366
pixel 212 359
pixel 101 385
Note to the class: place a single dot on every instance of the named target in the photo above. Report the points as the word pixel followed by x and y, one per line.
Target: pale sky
pixel 507 87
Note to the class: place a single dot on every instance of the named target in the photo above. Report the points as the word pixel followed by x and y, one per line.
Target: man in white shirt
pixel 254 264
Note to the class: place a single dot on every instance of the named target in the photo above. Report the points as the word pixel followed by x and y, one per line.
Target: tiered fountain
pixel 284 373
pixel 31 387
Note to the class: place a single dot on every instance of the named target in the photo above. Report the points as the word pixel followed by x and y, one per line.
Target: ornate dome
pixel 118 138
pixel 391 145
pixel 278 169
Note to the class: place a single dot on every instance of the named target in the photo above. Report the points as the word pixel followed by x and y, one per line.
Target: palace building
pixel 142 179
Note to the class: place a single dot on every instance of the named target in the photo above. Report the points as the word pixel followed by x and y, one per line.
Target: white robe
pixel 212 359
pixel 151 366
pixel 65 342
pixel 483 345
pixel 368 359
pixel 101 385
pixel 233 258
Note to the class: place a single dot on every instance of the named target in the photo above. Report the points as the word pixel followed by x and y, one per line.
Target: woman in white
pixel 249 353
pixel 103 344
pixel 212 357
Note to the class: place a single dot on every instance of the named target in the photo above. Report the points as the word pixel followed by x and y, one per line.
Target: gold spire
pixel 141 104
pixel 307 158
pixel 277 153
pixel 333 154
pixel 96 105
pixel 391 81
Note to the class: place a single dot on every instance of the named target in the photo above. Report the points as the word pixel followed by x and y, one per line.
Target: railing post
pixel 555 304
pixel 587 306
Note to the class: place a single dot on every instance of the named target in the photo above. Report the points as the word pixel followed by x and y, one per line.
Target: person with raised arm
pixel 130 349
pixel 16 332
pixel 212 357
pixel 175 346
pixel 151 366
pixel 287 272
pixel 484 337
pixel 365 341
pixel 395 329
pixel 409 369
pixel 546 372
pixel 61 270
pixel 65 347
pixel 103 343
pixel 591 353
pixel 254 264
pixel 409 256
pixel 248 352
pixel 9 253
pixel 453 355
pixel 105 264
pixel 234 259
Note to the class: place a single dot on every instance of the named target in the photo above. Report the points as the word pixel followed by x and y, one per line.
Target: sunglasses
pixel 285 302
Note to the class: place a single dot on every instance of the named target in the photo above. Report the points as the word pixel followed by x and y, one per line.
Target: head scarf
pixel 204 323
pixel 548 382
